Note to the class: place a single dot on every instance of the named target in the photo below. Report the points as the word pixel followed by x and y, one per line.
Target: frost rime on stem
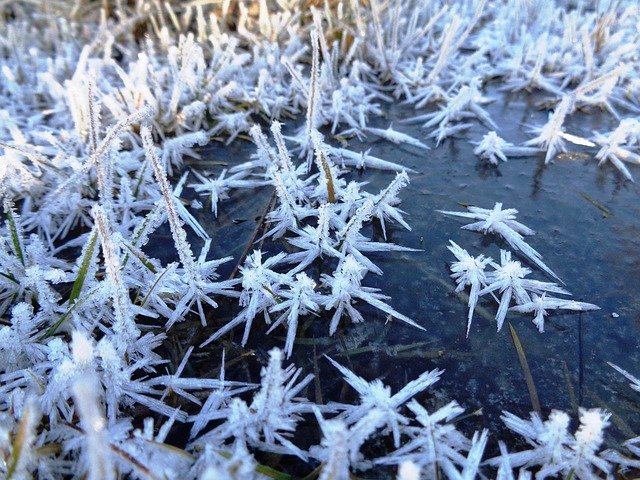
pixel 23 444
pixel 314 95
pixel 124 324
pixel 177 232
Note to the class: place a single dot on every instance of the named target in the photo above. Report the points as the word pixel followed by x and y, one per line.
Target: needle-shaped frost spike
pixel 509 279
pixel 300 299
pixel 273 414
pixel 345 285
pixel 376 399
pixel 503 223
pixel 494 148
pixel 364 160
pixel 531 76
pixel 261 287
pixel 437 445
pixel 289 213
pixel 539 305
pixel 549 439
pixel 182 211
pixel 174 149
pixel 464 104
pixel 334 449
pixel 217 189
pixel 469 468
pixel 551 136
pixel 352 242
pixel 214 406
pixel 468 270
pixel 556 451
pixel 313 242
pixel 384 203
pixel 397 137
pixel 635 382
pixel 616 147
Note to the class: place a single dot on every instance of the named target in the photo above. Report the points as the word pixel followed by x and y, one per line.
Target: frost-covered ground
pixel 103 106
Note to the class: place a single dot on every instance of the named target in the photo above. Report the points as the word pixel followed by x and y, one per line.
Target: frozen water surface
pixel 586 223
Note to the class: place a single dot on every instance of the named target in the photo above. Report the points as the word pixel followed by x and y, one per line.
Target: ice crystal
pixel 218 189
pixel 540 304
pixel 469 270
pixel 299 300
pixel 397 137
pixel 436 445
pixel 551 136
pixel 333 450
pixel 260 288
pixel 615 147
pixel 494 148
pixel 345 286
pixel 503 223
pixel 273 413
pixel 509 279
pixel 554 450
pixel 377 405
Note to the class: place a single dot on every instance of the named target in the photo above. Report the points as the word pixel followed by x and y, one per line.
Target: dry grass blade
pixel 23 443
pixel 605 211
pixel 570 389
pixel 533 393
pixel 331 195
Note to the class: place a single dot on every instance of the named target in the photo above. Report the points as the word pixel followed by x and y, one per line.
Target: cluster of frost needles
pixel 507 279
pixel 102 103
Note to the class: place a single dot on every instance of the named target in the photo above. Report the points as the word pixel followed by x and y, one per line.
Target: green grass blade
pixel 141 231
pixel 142 257
pixel 9 277
pixel 136 191
pixel 263 469
pixel 13 230
pixel 146 297
pixel 54 328
pixel 85 263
